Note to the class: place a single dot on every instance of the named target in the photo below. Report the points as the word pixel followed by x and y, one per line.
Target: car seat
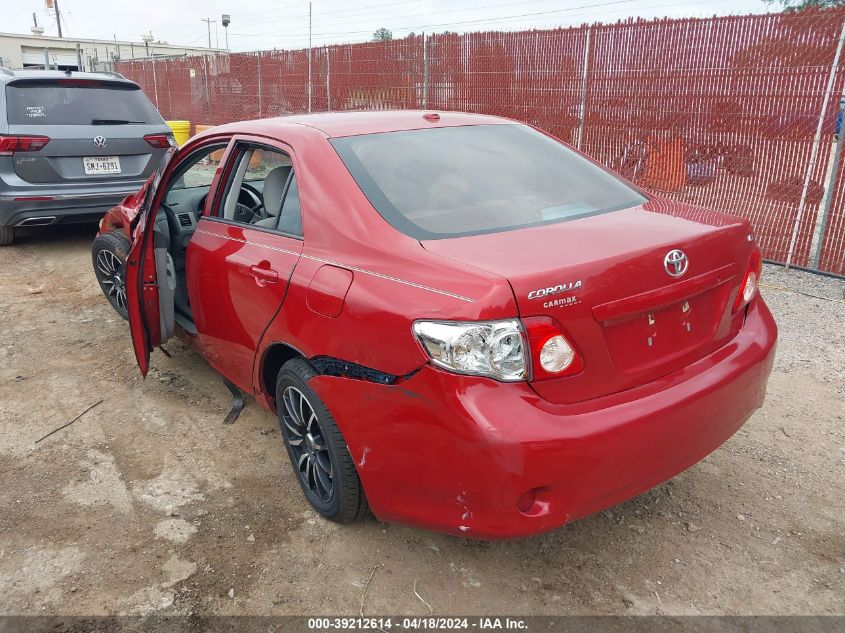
pixel 274 191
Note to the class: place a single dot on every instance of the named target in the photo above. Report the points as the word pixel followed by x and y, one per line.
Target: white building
pixel 19 50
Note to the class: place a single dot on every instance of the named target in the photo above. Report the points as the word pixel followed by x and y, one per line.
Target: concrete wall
pixel 20 50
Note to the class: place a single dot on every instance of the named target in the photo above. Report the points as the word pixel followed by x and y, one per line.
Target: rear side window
pixel 448 182
pixel 77 102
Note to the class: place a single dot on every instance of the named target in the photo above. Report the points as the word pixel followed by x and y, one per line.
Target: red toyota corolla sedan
pixel 460 321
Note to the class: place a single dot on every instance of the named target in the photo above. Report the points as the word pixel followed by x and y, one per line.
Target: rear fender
pixel 121 217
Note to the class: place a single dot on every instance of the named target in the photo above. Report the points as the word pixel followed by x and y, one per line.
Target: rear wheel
pixel 316 447
pixel 108 254
pixel 7 235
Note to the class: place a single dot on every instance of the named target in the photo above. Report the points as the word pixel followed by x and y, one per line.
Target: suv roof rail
pixel 7 71
pixel 111 73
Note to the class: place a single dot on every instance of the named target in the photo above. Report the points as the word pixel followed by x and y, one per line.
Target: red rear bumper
pixel 456 453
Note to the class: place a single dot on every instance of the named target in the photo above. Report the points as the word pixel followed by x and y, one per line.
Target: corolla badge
pixel 100 142
pixel 554 290
pixel 676 262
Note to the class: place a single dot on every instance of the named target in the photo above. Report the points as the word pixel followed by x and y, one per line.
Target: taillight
pixel 751 281
pixel 553 354
pixel 159 141
pixel 11 144
pixel 480 348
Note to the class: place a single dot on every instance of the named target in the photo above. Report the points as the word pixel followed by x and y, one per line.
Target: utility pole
pixel 58 16
pixel 814 152
pixel 208 22
pixel 309 57
pixel 425 71
pixel 829 185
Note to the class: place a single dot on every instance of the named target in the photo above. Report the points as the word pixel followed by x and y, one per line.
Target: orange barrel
pixel 214 156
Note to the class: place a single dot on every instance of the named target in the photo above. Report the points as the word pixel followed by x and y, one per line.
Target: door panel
pixel 142 296
pixel 149 271
pixel 237 277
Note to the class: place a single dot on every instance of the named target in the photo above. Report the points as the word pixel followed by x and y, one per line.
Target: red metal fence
pixel 724 112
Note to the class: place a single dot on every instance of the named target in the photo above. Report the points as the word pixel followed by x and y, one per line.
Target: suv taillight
pixel 553 355
pixel 751 281
pixel 159 141
pixel 11 144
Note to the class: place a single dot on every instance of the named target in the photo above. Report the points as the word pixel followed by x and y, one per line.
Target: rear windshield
pixel 447 182
pixel 66 102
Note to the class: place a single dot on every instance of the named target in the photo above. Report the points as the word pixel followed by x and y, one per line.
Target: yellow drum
pixel 181 131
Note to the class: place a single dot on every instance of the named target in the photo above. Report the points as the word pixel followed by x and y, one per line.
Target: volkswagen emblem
pixel 676 262
pixel 100 142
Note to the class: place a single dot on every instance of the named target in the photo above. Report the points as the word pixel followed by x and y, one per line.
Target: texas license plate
pixel 99 165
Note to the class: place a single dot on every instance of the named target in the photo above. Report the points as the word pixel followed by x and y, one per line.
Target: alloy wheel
pixel 110 272
pixel 305 437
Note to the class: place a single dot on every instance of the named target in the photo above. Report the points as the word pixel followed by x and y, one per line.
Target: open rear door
pixel 150 276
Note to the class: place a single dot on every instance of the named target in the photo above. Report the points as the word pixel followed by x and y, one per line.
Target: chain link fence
pixel 733 113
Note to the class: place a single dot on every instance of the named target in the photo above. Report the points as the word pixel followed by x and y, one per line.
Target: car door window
pixel 262 190
pixel 191 181
pixel 262 162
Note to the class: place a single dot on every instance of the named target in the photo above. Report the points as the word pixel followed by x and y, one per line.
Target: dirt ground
pixel 148 504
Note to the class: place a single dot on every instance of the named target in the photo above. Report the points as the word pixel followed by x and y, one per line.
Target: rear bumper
pixel 41 207
pixel 456 453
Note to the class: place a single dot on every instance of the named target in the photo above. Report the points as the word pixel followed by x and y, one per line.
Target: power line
pixel 192 41
pixel 379 5
pixel 528 17
pixel 476 21
pixel 273 10
pixel 303 35
pixel 354 19
pixel 69 12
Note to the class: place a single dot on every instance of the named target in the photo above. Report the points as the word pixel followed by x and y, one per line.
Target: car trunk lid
pixel 602 278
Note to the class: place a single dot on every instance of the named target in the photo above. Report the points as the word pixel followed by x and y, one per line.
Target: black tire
pixel 7 235
pixel 347 501
pixel 108 255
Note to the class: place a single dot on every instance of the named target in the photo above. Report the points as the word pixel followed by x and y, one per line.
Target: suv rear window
pixel 453 181
pixel 70 102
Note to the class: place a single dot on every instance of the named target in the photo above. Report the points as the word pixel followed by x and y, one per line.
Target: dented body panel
pixel 670 369
pixel 474 446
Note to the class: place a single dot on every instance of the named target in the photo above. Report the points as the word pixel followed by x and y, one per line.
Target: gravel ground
pixel 147 504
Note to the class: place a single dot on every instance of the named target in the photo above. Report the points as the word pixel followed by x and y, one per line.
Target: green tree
pixel 383 34
pixel 797 5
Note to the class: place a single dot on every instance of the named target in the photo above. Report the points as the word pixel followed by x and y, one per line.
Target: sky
pixel 267 24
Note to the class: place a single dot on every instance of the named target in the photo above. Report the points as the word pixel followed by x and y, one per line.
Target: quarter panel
pixel 374 327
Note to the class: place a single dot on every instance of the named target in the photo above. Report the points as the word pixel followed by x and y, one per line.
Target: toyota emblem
pixel 676 262
pixel 100 142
